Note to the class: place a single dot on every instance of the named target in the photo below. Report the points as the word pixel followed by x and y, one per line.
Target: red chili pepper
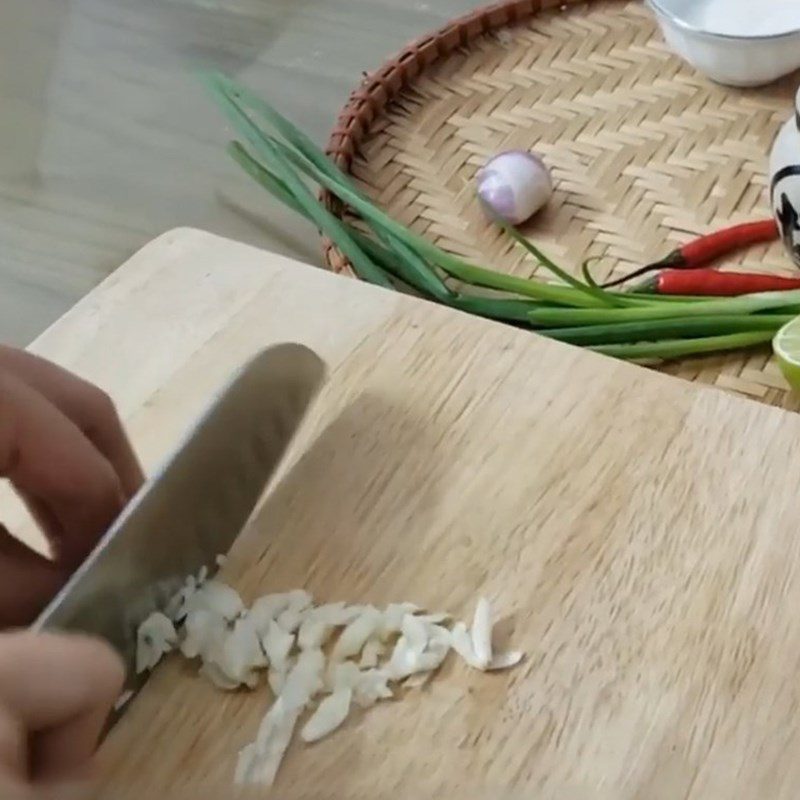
pixel 708 248
pixel 713 283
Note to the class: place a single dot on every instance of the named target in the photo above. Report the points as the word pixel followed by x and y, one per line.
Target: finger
pixel 50 461
pixel 60 689
pixel 27 581
pixel 20 788
pixel 13 751
pixel 86 405
pixel 17 790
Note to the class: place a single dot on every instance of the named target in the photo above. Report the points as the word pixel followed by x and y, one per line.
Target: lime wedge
pixel 786 346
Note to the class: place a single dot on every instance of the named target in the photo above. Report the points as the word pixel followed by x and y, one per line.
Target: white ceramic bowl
pixel 739 59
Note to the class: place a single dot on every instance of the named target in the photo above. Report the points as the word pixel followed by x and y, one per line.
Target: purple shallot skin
pixel 513 186
pixel 496 196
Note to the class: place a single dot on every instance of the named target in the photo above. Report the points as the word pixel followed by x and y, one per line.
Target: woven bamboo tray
pixel 646 153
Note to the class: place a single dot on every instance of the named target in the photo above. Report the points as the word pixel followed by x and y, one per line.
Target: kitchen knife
pixel 195 505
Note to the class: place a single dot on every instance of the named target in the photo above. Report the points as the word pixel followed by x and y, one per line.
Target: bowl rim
pixel 656 5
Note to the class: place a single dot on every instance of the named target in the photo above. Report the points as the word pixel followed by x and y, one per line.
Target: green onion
pixel 678 348
pixel 594 291
pixel 286 163
pixel 311 160
pixel 746 304
pixel 329 224
pixel 496 308
pixel 631 332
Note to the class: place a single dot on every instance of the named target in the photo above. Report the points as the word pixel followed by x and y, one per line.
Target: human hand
pixel 56 691
pixel 63 448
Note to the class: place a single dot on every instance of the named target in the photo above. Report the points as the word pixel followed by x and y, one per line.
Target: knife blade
pixel 195 505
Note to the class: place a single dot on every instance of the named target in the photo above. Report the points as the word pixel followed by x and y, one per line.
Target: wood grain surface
pixel 637 534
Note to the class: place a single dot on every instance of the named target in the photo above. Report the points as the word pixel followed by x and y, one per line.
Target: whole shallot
pixel 514 185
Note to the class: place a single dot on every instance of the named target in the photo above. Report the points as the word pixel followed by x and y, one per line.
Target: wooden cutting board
pixel 638 534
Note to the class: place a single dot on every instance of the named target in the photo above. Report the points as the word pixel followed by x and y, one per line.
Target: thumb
pixel 59 690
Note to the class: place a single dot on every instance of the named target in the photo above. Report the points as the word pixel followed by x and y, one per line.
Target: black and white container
pixel 784 170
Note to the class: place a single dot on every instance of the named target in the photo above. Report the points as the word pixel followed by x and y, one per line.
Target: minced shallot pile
pixel 325 658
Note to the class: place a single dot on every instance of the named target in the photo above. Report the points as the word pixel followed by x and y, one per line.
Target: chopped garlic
pixel 333 613
pixel 277 645
pixel 373 685
pixel 342 675
pixel 273 606
pixel 276 680
pixel 462 644
pixel 481 633
pixel 473 646
pixel 266 609
pixel 415 633
pixel 304 680
pixel 220 679
pixel 401 662
pixel 246 765
pixel 177 607
pixel 155 638
pixel 393 618
pixel 259 762
pixel 355 635
pixel 505 660
pixel 347 614
pixel 371 653
pixel 300 599
pixel 368 685
pixel 438 635
pixel 285 634
pixel 272 720
pixel 293 615
pixel 216 597
pixel 240 654
pixel 330 714
pixel 313 633
pixel 291 619
pixel 202 630
pixel 407 660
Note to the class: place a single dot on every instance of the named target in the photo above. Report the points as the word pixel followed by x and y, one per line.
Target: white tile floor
pixel 106 138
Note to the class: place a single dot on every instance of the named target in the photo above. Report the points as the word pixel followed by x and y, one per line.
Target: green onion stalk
pixel 288 165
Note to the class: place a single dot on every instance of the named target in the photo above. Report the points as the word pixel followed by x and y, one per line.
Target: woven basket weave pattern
pixel 645 152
